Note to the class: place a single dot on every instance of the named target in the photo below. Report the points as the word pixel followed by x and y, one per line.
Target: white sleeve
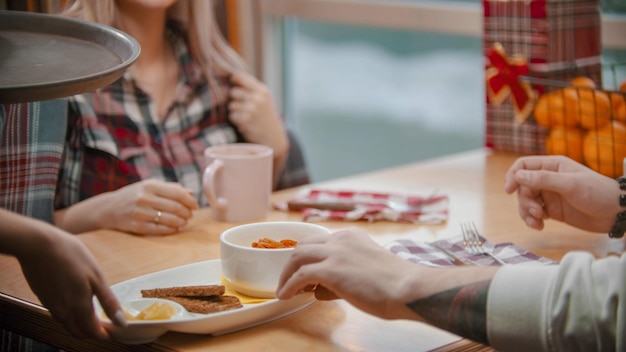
pixel 574 306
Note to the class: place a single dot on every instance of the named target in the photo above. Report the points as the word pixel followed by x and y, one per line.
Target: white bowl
pixel 256 271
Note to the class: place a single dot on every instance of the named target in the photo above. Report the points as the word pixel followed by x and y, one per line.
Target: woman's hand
pixel 556 187
pixel 149 207
pixel 252 111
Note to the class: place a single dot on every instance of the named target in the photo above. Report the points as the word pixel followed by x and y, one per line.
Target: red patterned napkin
pixel 426 254
pixel 372 206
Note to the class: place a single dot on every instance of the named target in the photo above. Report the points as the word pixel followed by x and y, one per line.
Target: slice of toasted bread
pixel 208 304
pixel 187 291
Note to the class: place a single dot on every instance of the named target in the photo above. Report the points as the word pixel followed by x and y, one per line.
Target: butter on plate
pixel 243 298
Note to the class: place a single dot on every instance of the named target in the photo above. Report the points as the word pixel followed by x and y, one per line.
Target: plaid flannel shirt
pixel 31 143
pixel 115 138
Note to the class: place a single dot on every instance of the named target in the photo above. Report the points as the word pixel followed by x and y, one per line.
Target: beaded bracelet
pixel 620 221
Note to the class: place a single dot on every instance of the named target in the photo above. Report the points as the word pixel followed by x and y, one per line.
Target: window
pixel 370 84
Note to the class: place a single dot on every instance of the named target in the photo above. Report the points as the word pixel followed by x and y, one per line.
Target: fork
pixel 472 243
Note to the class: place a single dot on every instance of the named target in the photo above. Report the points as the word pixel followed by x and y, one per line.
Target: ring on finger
pixel 157 218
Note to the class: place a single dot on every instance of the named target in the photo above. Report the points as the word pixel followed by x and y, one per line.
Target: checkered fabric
pixel 31 143
pixel 560 39
pixel 369 206
pixel 115 138
pixel 426 254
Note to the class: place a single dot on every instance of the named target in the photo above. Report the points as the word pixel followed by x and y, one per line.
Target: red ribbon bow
pixel 503 80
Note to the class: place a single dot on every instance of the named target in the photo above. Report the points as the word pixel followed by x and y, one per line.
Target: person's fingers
pixel 531 201
pixel 151 218
pixel 297 274
pixel 89 325
pixel 241 119
pixel 247 106
pixel 171 219
pixel 238 94
pixel 172 208
pixel 176 192
pixel 317 239
pixel 78 318
pixel 158 229
pixel 67 319
pixel 535 162
pixel 530 206
pixel 324 294
pixel 245 80
pixel 533 222
pixel 297 280
pixel 164 210
pixel 545 180
pixel 109 303
pixel 148 228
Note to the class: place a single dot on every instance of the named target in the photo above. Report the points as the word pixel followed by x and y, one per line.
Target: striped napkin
pixel 426 254
pixel 370 206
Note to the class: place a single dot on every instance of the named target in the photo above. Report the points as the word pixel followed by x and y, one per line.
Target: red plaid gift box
pixel 350 205
pixel 552 39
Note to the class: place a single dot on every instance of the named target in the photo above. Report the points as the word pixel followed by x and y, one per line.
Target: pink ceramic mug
pixel 238 181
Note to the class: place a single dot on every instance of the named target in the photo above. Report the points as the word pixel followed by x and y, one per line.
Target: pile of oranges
pixel 586 124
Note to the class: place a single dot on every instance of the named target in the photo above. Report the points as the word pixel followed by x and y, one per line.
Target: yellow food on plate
pixel 604 149
pixel 155 311
pixel 566 141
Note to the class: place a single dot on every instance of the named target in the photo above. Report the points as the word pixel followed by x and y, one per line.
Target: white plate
pixel 201 273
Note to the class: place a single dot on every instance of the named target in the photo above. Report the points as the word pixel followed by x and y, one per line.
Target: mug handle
pixel 208 184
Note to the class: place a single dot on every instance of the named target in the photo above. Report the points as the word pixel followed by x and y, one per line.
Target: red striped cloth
pixel 371 206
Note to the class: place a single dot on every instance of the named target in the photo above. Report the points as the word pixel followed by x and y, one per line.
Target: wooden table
pixel 474 182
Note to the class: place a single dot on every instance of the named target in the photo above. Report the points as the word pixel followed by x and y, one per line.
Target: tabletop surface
pixel 474 182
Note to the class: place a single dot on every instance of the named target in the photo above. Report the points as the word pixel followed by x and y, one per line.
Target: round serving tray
pixel 45 56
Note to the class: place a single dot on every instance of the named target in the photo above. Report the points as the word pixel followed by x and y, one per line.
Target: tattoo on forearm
pixel 461 310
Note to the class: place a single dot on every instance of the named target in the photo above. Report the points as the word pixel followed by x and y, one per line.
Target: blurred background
pixel 392 87
pixel 369 84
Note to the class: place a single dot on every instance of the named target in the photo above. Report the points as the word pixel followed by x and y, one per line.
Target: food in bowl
pixel 255 271
pixel 266 242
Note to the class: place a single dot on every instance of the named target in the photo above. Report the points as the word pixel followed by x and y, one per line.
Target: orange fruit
pixel 557 109
pixel 618 105
pixel 582 81
pixel 566 141
pixel 604 149
pixel 593 107
pixel 618 101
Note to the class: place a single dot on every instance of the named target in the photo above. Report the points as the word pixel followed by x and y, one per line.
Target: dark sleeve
pixel 295 172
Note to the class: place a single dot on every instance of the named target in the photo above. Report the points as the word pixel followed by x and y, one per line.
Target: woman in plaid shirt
pixel 134 156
